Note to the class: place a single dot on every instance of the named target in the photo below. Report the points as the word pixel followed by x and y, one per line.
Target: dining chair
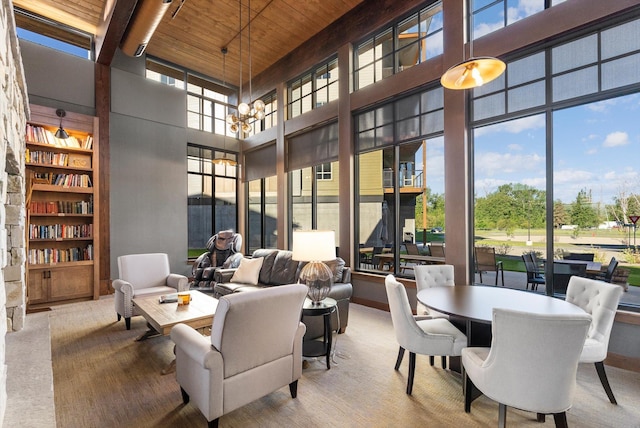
pixel 412 249
pixel 428 276
pixel 435 336
pixel 535 275
pixel 608 274
pixel 600 300
pixel 486 262
pixel 531 365
pixel 436 249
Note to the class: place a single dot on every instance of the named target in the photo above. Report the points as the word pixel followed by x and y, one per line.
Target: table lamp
pixel 315 247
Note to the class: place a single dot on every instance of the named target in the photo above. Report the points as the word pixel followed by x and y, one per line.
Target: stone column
pixel 14 111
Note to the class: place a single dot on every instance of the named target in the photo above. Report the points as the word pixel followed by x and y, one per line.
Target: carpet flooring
pixel 104 378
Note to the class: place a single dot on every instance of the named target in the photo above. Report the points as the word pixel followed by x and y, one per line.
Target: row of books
pixel 58 231
pixel 38 134
pixel 55 255
pixel 57 207
pixel 65 180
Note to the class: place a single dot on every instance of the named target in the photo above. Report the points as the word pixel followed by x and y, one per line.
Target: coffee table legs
pixel 151 332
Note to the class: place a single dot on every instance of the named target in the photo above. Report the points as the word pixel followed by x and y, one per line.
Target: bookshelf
pixel 62 208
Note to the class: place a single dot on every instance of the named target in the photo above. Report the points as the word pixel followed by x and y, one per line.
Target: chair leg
pixel 119 316
pixel 605 382
pixel 431 360
pixel 213 423
pixel 540 417
pixel 185 396
pixel 560 419
pixel 468 392
pixel 443 361
pixel 502 411
pixel 412 370
pixel 293 388
pixel 127 322
pixel 399 359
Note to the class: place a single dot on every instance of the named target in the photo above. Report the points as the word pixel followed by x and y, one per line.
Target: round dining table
pixel 474 304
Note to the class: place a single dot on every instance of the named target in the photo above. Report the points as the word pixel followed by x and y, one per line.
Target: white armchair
pixel 531 365
pixel 431 337
pixel 255 348
pixel 143 275
pixel 599 299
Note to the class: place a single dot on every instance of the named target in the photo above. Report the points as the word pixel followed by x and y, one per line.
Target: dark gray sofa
pixel 278 268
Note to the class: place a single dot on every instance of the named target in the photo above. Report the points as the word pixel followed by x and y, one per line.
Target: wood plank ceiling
pixel 193 32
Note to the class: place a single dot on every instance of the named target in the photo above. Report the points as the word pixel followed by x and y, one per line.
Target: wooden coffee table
pixel 161 317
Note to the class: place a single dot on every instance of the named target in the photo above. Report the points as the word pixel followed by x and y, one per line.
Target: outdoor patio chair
pixel 412 249
pixel 436 249
pixel 608 274
pixel 535 275
pixel 486 262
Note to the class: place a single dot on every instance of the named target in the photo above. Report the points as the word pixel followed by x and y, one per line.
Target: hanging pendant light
pixel 61 133
pixel 472 73
pixel 252 110
pixel 224 160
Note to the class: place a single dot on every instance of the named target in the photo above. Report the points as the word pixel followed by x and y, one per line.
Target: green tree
pixel 560 215
pixel 511 206
pixel 582 212
pixel 435 210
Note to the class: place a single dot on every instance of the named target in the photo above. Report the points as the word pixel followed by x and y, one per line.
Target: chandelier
pixel 246 111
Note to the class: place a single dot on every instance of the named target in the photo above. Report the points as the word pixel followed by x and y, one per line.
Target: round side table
pixel 317 348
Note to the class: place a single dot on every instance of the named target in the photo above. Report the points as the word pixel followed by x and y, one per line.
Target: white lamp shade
pixel 314 245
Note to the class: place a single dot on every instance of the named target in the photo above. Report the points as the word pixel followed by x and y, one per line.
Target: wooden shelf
pixel 74 280
pixel 52 188
pixel 62 265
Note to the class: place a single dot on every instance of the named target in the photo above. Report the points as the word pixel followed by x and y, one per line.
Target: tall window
pixel 400 188
pixel 212 196
pixel 554 170
pixel 262 215
pixel 313 89
pixel 207 105
pixel 270 115
pixel 400 46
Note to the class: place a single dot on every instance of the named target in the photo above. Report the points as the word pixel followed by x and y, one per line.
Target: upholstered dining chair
pixel 599 299
pixel 436 336
pixel 255 348
pixel 428 276
pixel 143 275
pixel 531 365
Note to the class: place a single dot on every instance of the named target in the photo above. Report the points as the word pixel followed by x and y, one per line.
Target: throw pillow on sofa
pixel 337 268
pixel 248 271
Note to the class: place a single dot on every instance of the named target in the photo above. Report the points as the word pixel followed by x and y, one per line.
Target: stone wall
pixel 13 115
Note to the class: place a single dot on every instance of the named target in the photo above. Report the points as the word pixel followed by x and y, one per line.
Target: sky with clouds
pixel 596 148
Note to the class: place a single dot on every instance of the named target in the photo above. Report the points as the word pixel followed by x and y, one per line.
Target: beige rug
pixel 103 378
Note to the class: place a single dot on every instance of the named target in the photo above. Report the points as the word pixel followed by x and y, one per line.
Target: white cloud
pixel 615 139
pixel 492 163
pixel 601 106
pixel 570 176
pixel 513 126
pixel 592 151
pixel 515 147
pixel 486 28
pixel 488 185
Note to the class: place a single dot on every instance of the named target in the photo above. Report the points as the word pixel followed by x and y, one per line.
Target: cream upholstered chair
pixel 531 365
pixel 435 336
pixel 143 275
pixel 255 348
pixel 428 276
pixel 599 299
